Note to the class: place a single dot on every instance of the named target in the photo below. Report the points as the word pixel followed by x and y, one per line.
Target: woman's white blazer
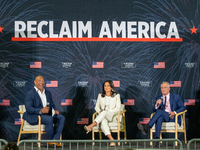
pixel 115 104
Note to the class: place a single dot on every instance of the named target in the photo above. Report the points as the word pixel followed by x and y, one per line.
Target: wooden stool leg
pixel 118 137
pixel 20 132
pixel 125 136
pixel 93 138
pixel 100 135
pixel 151 136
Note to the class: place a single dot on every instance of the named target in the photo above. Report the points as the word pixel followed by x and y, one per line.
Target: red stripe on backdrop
pixel 100 39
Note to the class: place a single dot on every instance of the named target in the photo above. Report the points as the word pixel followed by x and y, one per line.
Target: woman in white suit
pixel 108 104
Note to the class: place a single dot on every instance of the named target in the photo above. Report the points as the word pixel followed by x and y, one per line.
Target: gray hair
pixel 166 83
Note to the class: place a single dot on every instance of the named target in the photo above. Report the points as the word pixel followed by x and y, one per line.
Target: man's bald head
pixel 39 83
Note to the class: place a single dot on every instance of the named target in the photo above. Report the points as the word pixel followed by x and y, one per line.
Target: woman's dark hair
pixel 113 93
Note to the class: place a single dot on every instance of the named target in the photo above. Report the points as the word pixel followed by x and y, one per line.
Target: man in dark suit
pixel 38 101
pixel 166 107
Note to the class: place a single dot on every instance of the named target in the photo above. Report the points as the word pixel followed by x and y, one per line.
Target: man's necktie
pixel 164 103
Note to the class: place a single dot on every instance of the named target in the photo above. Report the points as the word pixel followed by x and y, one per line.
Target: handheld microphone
pixel 47 106
pixel 161 99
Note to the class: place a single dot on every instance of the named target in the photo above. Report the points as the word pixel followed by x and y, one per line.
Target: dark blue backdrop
pixel 81 54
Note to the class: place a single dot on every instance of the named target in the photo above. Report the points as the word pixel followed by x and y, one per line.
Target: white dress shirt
pixel 42 96
pixel 167 103
pixel 107 102
pixel 44 99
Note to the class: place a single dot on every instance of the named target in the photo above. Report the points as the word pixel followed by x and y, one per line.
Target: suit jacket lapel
pixel 38 97
pixel 171 102
pixel 47 97
pixel 103 102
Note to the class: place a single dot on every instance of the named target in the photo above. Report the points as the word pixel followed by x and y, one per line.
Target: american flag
pixel 98 64
pixel 189 102
pixel 36 64
pixel 159 64
pixel 66 102
pixel 116 83
pixel 129 102
pixel 4 102
pixel 144 120
pixel 17 121
pixel 175 83
pixel 82 121
pixel 51 83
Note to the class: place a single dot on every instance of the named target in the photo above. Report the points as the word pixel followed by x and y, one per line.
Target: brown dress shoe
pixel 58 144
pixel 51 143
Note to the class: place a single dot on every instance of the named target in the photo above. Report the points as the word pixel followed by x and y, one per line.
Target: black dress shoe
pixel 144 128
pixel 45 145
pixel 157 143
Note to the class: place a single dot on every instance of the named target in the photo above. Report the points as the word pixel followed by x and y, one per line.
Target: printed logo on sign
pixel 82 83
pixel 17 121
pixel 4 64
pixel 4 102
pixel 36 64
pixel 82 121
pixel 189 102
pixel 144 120
pixel 145 83
pixel 98 64
pixel 19 83
pixel 129 102
pixel 66 102
pixel 159 64
pixel 191 65
pixel 94 101
pixel 67 64
pixel 128 65
pixel 139 31
pixel 175 83
pixel 51 83
pixel 116 83
pixel 91 104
